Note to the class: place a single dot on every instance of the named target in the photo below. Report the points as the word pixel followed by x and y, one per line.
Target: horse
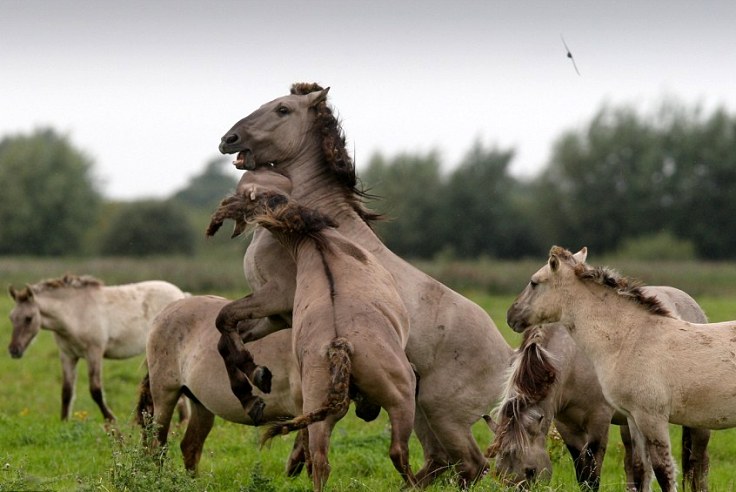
pixel 552 379
pixel 653 367
pixel 350 326
pixel 182 359
pixel 457 350
pixel 89 321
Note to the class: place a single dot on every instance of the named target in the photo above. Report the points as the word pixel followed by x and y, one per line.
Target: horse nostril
pixel 231 139
pixel 530 473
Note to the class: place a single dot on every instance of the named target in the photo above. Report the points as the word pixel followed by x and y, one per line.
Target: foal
pixel 652 367
pixel 349 326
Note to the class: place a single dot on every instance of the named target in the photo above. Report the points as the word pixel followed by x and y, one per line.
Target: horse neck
pixel 58 307
pixel 601 321
pixel 314 186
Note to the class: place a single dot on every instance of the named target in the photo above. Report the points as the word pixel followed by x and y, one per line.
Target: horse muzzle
pixel 15 352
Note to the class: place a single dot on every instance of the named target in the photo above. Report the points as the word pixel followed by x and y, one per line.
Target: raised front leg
pixel 249 319
pixel 69 378
pixel 94 369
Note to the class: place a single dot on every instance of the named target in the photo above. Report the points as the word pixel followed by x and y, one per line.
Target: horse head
pixel 275 132
pixel 26 319
pixel 525 414
pixel 538 303
pixel 520 443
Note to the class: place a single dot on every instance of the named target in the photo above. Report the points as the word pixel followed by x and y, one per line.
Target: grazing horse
pixel 454 345
pixel 89 321
pixel 350 326
pixel 552 379
pixel 654 368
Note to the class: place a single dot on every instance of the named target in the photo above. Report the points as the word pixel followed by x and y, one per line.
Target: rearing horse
pixel 454 345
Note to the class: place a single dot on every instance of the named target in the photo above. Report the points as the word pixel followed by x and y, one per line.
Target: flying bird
pixel 569 55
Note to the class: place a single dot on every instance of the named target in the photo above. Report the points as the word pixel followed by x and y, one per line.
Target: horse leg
pixel 69 375
pixel 319 445
pixel 198 428
pixel 239 383
pixel 695 459
pixel 451 440
pixel 633 464
pixel 251 318
pixel 401 418
pixel 298 455
pixel 436 461
pixel 655 432
pixel 586 447
pixel 94 370
pixel 640 462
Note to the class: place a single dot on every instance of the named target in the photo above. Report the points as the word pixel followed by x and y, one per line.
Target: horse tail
pixel 338 398
pixel 144 408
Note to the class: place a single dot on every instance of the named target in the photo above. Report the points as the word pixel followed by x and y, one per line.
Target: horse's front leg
pixel 94 370
pixel 69 378
pixel 237 326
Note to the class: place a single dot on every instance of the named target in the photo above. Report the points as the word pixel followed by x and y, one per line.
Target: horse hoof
pixel 256 411
pixel 262 379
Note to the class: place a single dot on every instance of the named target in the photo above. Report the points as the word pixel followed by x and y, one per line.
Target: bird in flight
pixel 569 55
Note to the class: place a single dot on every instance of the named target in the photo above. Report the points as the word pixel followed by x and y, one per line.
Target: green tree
pixel 409 188
pixel 484 208
pixel 49 196
pixel 149 227
pixel 207 189
pixel 629 176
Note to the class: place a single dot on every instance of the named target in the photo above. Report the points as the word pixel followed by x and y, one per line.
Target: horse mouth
pixel 245 160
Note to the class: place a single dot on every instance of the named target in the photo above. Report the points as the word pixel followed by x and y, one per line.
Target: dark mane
pixel 335 153
pixel 533 375
pixel 625 287
pixel 71 281
pixel 278 214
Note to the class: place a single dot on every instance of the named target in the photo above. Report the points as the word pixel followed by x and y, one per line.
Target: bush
pixel 148 228
pixel 660 246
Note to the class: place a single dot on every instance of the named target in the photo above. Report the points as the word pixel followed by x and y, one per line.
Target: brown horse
pixel 349 326
pixel 89 321
pixel 182 359
pixel 457 350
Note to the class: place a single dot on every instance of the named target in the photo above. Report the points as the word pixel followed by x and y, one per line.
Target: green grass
pixel 38 451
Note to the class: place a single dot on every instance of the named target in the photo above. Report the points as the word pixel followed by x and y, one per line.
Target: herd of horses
pixel 334 316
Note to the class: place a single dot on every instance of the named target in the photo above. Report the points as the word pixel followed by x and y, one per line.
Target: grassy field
pixel 38 452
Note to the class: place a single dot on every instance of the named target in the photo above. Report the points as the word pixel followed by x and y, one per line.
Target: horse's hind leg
pixel 695 459
pixel 198 428
pixel 401 418
pixel 298 456
pixel 436 461
pixel 319 445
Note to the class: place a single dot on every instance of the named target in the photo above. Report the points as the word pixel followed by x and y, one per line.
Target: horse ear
pixel 13 293
pixel 29 295
pixel 581 255
pixel 314 98
pixel 554 263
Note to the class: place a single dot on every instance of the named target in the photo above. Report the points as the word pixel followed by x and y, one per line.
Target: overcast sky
pixel 147 88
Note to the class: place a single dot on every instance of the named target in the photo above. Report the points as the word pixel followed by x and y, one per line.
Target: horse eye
pixel 283 110
pixel 533 283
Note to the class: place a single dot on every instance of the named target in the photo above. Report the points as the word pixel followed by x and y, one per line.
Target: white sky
pixel 147 88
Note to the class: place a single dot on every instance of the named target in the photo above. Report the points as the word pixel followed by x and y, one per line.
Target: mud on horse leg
pixel 239 364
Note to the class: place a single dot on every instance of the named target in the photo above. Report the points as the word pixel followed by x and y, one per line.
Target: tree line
pixel 658 183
